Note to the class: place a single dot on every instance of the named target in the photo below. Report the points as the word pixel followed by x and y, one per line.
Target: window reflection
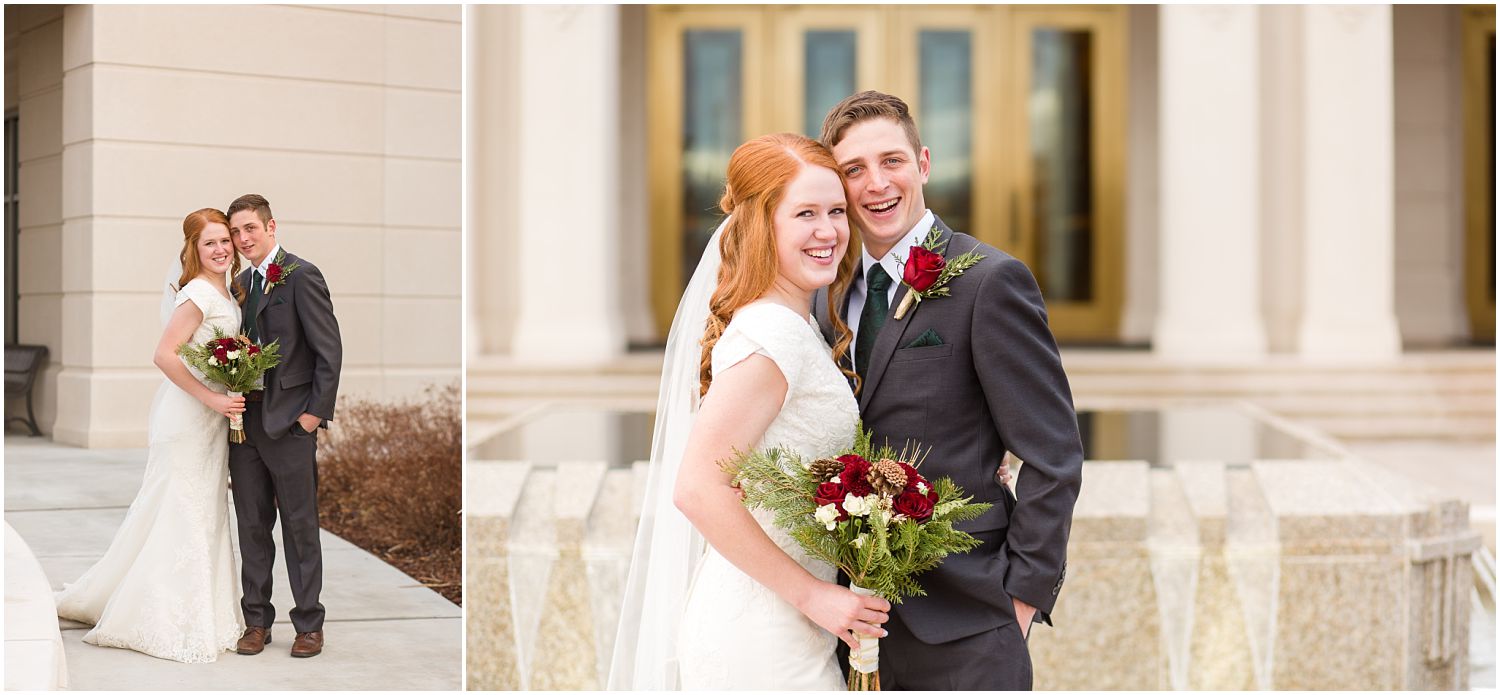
pixel 1061 158
pixel 947 111
pixel 712 126
pixel 828 75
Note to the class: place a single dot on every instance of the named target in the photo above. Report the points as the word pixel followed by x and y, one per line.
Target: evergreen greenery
pixel 881 551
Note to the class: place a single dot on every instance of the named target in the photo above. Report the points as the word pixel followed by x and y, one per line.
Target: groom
pixel 973 375
pixel 276 469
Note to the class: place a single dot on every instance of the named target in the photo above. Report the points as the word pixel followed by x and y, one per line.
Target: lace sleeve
pixel 196 291
pixel 763 329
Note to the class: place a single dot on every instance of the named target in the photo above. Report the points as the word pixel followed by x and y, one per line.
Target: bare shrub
pixel 390 480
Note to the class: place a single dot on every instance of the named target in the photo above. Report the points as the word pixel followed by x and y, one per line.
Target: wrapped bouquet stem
pixel 236 423
pixel 867 512
pixel 864 663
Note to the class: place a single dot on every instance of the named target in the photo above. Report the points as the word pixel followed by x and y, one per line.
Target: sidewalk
pixel 384 630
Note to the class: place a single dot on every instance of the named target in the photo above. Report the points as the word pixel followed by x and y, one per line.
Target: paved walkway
pixel 384 631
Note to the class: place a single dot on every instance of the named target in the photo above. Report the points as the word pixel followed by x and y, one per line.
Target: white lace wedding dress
pixel 168 586
pixel 736 633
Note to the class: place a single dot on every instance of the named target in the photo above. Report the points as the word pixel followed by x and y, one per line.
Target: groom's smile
pixel 253 236
pixel 883 177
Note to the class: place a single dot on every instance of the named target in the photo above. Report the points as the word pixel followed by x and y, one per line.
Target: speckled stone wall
pixel 1204 576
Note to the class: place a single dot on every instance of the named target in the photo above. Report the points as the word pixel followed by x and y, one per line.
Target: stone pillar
pixel 1348 309
pixel 491 196
pixel 1210 184
pixel 568 176
pixel 108 326
pixel 1142 180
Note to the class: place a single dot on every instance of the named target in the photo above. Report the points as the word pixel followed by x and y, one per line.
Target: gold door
pixel 1052 196
pixel 1479 169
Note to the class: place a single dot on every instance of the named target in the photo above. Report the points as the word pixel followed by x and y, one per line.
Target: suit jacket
pixel 995 383
pixel 298 313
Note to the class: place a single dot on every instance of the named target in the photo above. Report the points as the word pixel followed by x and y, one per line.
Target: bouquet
pixel 869 513
pixel 235 362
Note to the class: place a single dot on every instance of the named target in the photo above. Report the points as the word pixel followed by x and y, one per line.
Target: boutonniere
pixel 276 273
pixel 926 273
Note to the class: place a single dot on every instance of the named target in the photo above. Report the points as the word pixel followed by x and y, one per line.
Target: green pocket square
pixel 928 338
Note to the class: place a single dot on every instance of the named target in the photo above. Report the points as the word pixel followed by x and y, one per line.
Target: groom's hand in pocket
pixel 309 422
pixel 1025 613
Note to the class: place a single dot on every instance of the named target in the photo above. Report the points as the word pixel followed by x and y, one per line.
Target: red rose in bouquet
pixel 273 274
pixel 923 268
pixel 832 493
pixel 913 504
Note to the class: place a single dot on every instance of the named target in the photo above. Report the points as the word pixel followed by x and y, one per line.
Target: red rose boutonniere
pixel 276 273
pixel 926 272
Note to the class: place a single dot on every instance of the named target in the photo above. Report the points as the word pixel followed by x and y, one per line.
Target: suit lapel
pixel 893 331
pixel 266 294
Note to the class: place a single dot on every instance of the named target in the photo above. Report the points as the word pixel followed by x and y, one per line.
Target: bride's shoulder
pixel 200 292
pixel 764 328
pixel 767 316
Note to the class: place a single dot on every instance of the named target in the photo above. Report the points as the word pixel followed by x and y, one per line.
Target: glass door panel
pixel 829 56
pixel 1022 109
pixel 712 126
pixel 945 73
pixel 826 54
pixel 1062 194
pixel 706 71
pixel 1068 75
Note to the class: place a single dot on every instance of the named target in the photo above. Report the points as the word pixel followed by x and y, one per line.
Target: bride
pixel 166 586
pixel 751 611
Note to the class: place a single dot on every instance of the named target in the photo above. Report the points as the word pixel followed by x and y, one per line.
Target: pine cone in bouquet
pixel 825 469
pixel 887 477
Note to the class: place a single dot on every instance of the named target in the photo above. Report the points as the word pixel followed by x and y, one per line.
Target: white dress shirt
pixel 902 248
pixel 265 264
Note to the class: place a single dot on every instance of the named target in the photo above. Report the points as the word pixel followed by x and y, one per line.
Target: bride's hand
pixel 839 610
pixel 225 405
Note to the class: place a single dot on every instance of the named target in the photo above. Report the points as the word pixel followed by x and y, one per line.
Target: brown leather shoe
pixel 308 644
pixel 253 641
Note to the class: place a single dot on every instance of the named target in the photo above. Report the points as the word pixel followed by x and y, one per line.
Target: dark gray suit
pixel 995 383
pixel 276 468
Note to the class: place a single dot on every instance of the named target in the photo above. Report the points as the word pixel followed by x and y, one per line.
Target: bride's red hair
pixel 759 172
pixel 192 228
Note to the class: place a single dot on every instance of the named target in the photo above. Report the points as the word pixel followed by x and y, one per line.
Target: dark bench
pixel 22 365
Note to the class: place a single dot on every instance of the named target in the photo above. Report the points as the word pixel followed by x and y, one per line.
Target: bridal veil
pixel 667 547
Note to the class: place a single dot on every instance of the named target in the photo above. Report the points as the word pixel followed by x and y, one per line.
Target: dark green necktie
pixel 250 303
pixel 872 317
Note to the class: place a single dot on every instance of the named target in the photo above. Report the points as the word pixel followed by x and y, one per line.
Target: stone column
pixel 491 218
pixel 1348 309
pixel 568 176
pixel 1210 184
pixel 108 312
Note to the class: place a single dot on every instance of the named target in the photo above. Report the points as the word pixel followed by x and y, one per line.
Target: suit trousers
pixel 271 476
pixel 995 659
